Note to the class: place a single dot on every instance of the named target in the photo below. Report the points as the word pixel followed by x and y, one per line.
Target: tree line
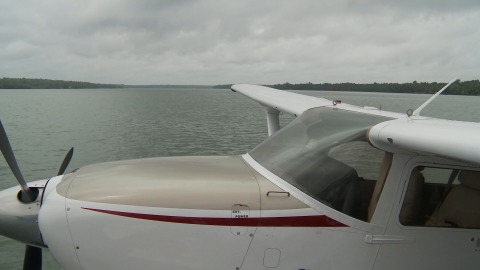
pixel 457 88
pixel 23 83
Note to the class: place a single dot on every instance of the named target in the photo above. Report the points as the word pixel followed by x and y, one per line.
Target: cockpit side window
pixel 325 154
pixel 442 197
pixel 364 164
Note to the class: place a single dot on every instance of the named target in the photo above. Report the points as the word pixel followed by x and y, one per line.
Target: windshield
pixel 324 153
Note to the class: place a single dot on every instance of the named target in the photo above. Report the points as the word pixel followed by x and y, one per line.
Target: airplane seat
pixel 461 207
pixel 350 203
pixel 338 183
pixel 412 202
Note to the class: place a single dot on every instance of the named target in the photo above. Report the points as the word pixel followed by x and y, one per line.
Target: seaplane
pixel 339 187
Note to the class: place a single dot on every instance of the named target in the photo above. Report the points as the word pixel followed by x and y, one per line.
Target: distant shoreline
pixel 471 88
pixel 23 83
pixel 458 88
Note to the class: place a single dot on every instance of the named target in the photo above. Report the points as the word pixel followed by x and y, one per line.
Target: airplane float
pixel 339 187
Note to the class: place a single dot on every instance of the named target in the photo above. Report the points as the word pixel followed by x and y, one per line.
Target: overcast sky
pixel 215 42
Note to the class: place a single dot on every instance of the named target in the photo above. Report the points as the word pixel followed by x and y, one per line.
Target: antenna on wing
pixel 419 109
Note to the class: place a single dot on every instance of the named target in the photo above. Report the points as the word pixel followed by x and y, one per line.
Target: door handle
pixel 278 193
pixel 388 239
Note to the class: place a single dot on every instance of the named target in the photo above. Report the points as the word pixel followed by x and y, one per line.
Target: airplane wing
pixel 296 104
pixel 276 101
pixel 415 134
pixel 444 138
pixel 283 101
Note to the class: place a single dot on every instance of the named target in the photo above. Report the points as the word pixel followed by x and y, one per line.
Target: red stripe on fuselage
pixel 293 221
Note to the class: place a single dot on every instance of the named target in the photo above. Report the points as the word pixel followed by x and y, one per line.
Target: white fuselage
pixel 273 229
pixel 222 232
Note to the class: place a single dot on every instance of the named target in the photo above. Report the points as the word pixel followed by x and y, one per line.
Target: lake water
pixel 114 124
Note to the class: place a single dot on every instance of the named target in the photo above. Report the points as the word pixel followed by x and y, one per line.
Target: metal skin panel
pixel 170 213
pixel 174 182
pixel 105 241
pixel 443 138
pixel 134 239
pixel 54 227
pixel 311 248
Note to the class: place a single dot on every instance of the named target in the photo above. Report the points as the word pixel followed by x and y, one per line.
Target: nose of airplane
pixel 20 206
pixel 19 220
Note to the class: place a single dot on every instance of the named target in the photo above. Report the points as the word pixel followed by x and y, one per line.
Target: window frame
pixel 433 163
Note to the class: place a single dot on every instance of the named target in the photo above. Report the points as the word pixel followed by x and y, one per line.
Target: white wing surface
pixel 283 101
pixel 450 139
pixel 296 104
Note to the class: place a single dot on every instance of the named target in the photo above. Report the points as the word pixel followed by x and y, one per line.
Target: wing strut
pixel 273 120
pixel 419 109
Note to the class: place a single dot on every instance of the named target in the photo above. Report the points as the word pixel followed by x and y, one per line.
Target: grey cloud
pixel 240 41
